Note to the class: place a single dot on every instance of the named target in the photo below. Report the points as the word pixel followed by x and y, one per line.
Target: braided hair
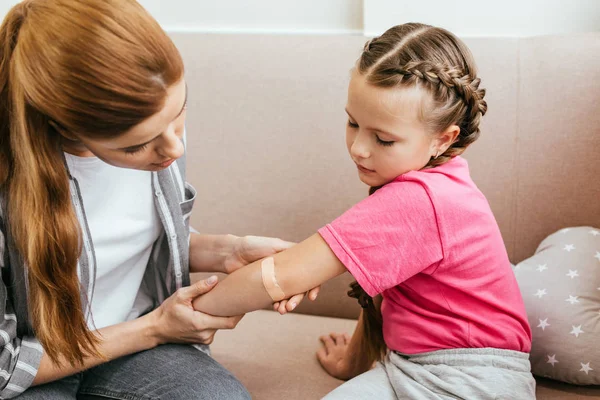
pixel 436 61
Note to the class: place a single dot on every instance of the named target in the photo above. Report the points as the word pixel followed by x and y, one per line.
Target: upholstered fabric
pixel 267 155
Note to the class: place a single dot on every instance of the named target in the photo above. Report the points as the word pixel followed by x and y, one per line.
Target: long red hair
pixel 94 68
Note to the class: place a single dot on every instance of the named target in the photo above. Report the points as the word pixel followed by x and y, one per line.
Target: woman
pixel 95 246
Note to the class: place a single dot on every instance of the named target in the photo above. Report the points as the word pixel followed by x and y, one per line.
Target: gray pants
pixel 482 374
pixel 167 372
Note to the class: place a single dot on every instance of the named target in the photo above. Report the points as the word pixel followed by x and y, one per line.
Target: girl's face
pixel 152 145
pixel 384 134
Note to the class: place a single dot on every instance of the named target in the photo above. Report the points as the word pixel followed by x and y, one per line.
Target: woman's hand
pixel 248 249
pixel 333 355
pixel 176 321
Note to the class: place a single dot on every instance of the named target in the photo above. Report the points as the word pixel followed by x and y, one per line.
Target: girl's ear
pixel 445 139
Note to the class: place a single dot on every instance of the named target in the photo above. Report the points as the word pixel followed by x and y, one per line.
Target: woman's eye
pixel 136 150
pixel 352 124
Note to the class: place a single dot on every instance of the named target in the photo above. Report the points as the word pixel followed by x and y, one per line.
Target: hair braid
pixel 442 79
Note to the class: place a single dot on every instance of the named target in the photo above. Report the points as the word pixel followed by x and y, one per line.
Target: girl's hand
pixel 288 305
pixel 176 321
pixel 333 355
pixel 248 249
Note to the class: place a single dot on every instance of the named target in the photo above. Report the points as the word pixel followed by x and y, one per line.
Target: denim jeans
pixel 171 371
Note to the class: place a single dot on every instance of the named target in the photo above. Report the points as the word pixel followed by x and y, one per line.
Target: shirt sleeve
pixel 19 356
pixel 388 237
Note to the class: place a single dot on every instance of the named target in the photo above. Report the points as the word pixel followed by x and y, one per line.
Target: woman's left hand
pixel 248 249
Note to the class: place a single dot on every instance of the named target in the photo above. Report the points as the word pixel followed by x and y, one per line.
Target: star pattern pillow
pixel 560 285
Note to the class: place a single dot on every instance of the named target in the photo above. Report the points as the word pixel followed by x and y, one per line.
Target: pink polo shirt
pixel 429 243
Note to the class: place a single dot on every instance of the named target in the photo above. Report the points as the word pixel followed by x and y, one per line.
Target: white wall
pixel 486 18
pixel 463 17
pixel 293 16
pixel 277 16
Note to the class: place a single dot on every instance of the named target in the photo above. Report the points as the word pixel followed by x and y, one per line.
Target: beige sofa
pixel 267 155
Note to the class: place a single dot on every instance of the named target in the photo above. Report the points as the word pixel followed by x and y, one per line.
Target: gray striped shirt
pixel 167 271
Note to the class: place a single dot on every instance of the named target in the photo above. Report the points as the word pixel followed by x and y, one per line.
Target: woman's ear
pixel 62 131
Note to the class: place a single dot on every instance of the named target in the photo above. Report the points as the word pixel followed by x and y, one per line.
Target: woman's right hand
pixel 176 321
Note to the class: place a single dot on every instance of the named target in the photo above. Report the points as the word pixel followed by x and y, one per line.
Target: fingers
pixel 294 301
pixel 313 293
pixel 280 245
pixel 328 342
pixel 321 355
pixel 198 288
pixel 337 339
pixel 282 307
pixel 211 322
pixel 275 306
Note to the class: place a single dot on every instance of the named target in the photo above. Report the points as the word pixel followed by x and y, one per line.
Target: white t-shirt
pixel 123 224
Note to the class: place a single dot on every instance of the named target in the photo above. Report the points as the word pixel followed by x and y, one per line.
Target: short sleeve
pixel 388 237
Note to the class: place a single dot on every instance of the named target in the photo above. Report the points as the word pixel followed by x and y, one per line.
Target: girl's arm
pixel 298 269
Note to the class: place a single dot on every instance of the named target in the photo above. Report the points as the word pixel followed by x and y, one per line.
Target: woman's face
pixel 152 145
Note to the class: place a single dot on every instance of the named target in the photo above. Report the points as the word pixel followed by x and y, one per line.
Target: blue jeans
pixel 171 371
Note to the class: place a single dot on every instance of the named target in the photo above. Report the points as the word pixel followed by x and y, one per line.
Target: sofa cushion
pixel 560 285
pixel 274 357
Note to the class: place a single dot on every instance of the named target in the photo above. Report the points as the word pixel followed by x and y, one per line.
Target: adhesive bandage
pixel 270 281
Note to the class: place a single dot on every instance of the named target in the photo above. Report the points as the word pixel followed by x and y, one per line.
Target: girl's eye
pixel 383 142
pixel 136 150
pixel 352 124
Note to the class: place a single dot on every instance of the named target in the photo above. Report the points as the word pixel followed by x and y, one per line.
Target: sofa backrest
pixel 266 144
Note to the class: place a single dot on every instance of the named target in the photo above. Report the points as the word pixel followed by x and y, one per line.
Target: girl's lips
pixel 363 169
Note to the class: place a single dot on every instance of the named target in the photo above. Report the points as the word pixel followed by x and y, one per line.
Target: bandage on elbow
pixel 270 280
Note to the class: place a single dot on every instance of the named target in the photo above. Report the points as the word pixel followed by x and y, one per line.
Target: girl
pixel 95 249
pixel 452 321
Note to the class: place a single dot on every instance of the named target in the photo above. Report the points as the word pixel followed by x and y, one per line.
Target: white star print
pixel 540 293
pixel 586 368
pixel 594 232
pixel 597 255
pixel 542 267
pixel 569 247
pixel 576 330
pixel 572 299
pixel 551 359
pixel 543 324
pixel 572 274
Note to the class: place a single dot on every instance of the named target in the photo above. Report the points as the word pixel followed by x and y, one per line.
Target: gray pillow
pixel 560 285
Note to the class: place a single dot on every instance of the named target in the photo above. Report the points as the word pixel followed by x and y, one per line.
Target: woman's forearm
pixel 208 252
pixel 116 341
pixel 298 269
